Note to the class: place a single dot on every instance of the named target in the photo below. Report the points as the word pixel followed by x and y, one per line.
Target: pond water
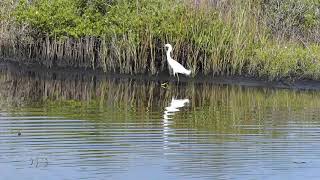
pixel 57 125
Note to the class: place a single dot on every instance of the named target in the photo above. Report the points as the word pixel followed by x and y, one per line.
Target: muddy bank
pixel 71 73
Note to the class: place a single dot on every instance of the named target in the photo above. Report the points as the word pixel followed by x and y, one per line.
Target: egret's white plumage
pixel 176 67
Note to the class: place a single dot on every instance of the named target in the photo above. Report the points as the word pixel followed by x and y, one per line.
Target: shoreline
pixel 160 78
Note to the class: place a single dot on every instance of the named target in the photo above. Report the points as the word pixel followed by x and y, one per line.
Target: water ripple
pixel 132 130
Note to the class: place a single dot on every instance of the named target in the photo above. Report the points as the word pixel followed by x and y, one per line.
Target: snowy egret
pixel 176 67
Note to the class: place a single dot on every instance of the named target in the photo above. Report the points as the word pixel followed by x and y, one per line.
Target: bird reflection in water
pixel 167 118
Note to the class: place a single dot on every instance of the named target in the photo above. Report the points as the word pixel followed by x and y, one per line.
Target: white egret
pixel 176 67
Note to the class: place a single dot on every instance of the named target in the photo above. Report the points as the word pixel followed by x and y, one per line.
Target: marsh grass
pixel 216 38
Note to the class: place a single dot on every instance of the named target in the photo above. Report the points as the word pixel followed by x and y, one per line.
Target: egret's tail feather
pixel 188 72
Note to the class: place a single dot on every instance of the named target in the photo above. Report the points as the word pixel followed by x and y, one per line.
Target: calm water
pixel 79 126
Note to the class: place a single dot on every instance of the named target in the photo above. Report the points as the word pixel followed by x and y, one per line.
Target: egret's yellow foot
pixel 164 85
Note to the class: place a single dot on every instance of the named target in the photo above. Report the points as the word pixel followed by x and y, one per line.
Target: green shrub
pixel 288 60
pixel 291 18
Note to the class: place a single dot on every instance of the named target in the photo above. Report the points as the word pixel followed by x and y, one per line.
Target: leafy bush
pixel 291 18
pixel 53 18
pixel 288 60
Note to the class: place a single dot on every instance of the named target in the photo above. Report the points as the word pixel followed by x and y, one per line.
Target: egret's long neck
pixel 168 53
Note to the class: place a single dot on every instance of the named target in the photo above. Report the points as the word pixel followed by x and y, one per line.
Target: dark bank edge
pixel 28 68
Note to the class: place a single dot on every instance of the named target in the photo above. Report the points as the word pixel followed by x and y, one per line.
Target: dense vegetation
pixel 261 38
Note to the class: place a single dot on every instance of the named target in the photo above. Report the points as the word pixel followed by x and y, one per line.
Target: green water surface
pixel 80 126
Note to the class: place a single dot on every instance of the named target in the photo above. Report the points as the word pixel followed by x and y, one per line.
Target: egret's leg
pixel 178 76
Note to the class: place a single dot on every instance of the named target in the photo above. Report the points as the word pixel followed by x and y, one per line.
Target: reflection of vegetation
pixel 233 109
pixel 229 109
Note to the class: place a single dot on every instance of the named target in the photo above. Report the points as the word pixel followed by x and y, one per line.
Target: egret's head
pixel 168 46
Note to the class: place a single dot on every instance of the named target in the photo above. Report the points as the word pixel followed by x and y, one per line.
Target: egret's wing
pixel 177 66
